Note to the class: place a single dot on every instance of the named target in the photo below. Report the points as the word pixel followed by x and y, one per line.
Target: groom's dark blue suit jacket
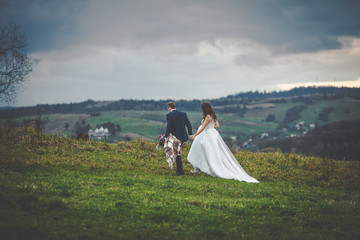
pixel 176 122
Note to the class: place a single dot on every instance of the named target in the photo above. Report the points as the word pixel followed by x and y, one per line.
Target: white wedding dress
pixel 211 155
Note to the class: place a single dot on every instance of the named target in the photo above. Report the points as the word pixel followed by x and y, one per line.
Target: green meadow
pixel 252 124
pixel 151 124
pixel 59 188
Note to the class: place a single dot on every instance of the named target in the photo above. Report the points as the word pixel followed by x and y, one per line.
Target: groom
pixel 176 122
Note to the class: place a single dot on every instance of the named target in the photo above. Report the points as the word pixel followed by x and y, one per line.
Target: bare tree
pixel 15 65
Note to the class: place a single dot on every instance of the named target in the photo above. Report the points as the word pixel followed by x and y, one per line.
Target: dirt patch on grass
pixel 135 136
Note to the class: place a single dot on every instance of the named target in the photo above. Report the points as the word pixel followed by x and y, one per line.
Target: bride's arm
pixel 204 124
pixel 217 124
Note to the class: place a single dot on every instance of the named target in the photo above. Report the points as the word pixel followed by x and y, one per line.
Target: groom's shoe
pixel 179 166
pixel 196 170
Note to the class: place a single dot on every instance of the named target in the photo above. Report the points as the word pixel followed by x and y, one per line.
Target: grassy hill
pixel 252 120
pixel 150 124
pixel 337 140
pixel 61 188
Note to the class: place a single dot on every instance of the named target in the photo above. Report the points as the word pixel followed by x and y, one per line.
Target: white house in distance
pixel 264 135
pixel 99 133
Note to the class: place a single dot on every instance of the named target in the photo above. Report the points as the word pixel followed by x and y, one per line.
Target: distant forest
pixel 301 91
pixel 245 98
pixel 339 140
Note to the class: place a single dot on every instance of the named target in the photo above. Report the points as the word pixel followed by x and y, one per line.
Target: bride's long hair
pixel 207 109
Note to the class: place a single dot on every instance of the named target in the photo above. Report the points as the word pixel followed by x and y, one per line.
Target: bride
pixel 210 154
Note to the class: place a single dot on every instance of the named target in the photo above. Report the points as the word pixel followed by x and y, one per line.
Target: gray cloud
pixel 283 26
pixel 47 24
pixel 202 48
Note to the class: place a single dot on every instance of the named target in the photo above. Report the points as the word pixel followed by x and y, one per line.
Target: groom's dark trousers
pixel 177 122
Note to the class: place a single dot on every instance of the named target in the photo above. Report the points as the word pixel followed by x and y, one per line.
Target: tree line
pixel 339 140
pixel 300 91
pixel 90 106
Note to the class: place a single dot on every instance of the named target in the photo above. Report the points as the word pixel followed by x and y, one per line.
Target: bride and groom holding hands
pixel 208 152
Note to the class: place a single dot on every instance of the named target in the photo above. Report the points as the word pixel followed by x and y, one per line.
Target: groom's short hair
pixel 171 105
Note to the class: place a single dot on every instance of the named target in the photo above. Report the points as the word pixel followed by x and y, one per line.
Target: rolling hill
pixel 258 121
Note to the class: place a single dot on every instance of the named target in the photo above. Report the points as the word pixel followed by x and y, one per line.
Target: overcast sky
pixel 159 49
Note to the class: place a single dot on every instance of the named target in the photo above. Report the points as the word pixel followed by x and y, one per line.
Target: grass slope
pixel 150 124
pixel 59 188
